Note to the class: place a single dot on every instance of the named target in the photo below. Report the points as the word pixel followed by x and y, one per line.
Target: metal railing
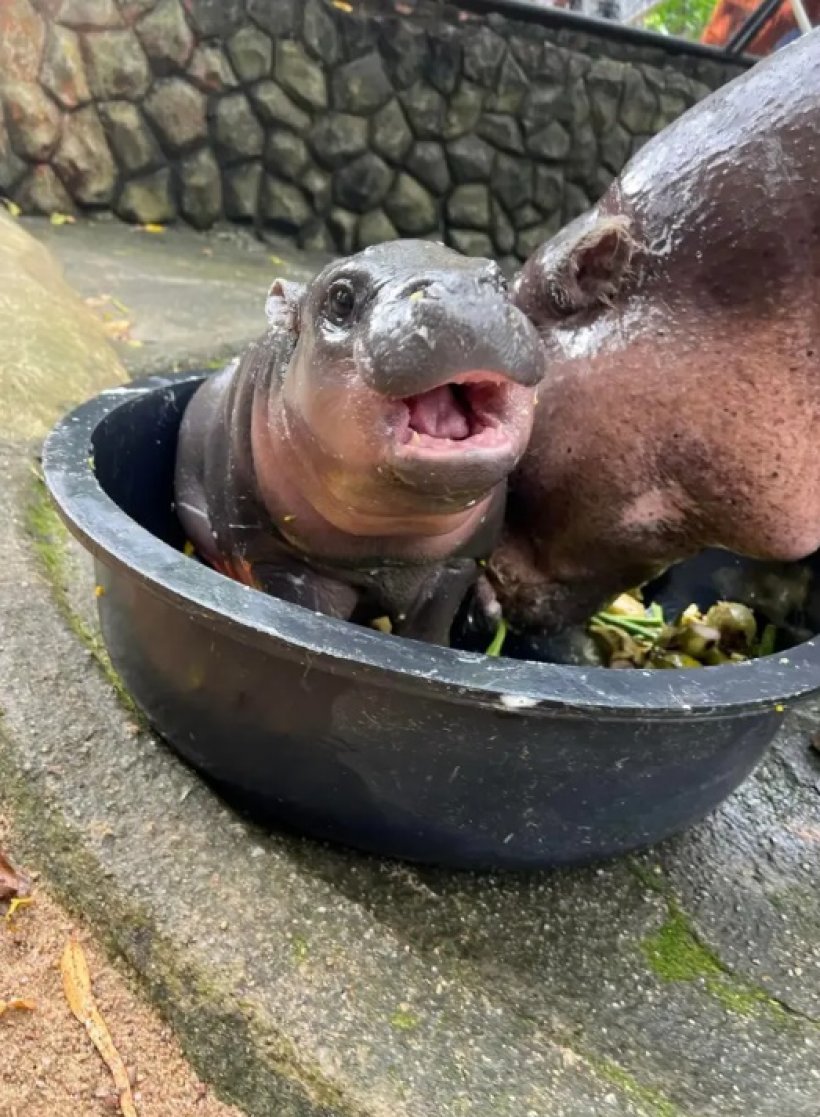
pixel 618 20
pixel 561 18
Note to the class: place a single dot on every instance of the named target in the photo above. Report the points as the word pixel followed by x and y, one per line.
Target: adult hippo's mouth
pixel 472 412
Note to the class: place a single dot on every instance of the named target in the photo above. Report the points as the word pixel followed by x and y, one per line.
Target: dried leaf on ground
pixel 117 328
pixel 62 219
pixel 13 883
pixel 11 206
pixel 15 904
pixel 77 986
pixel 18 1004
pixel 151 228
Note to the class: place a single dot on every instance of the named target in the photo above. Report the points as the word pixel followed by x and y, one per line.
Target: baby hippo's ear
pixel 284 303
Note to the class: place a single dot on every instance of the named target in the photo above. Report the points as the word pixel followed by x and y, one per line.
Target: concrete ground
pixel 305 981
pixel 188 299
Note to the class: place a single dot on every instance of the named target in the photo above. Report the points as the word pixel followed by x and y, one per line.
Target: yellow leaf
pixel 62 219
pixel 342 5
pixel 15 904
pixel 152 228
pixel 99 591
pixel 189 549
pixel 277 260
pixel 17 1003
pixel 11 206
pixel 77 986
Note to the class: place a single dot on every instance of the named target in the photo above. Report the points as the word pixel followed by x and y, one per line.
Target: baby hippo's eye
pixel 340 301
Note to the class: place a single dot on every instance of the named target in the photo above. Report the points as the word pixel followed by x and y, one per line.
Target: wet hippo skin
pixel 681 324
pixel 354 460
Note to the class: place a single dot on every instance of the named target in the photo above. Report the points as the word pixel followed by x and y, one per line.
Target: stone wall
pixel 336 126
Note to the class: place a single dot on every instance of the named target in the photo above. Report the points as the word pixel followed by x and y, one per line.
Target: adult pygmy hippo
pixel 681 322
pixel 354 459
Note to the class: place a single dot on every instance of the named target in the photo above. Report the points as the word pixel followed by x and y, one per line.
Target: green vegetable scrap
pixel 631 634
pixel 497 642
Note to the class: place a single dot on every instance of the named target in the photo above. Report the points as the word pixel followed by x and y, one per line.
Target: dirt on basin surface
pixel 48 1064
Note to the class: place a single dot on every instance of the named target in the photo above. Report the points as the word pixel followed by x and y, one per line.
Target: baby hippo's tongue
pixel 438 413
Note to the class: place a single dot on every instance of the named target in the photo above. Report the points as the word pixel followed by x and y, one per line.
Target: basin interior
pixel 134 465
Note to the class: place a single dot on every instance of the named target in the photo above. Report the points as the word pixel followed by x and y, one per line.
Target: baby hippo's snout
pixel 457 365
pixel 432 330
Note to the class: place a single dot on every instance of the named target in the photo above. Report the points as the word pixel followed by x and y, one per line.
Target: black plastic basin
pixel 389 745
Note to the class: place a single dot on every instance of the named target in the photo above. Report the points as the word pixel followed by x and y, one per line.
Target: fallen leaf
pixel 117 328
pixel 96 300
pixel 11 206
pixel 62 219
pixel 15 904
pixel 77 986
pixel 151 228
pixel 277 260
pixel 17 1004
pixel 12 882
pixel 342 5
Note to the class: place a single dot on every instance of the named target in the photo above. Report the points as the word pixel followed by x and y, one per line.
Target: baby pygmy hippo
pixel 354 459
pixel 681 323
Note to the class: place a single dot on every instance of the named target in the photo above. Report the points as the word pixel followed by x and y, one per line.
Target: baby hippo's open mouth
pixel 463 414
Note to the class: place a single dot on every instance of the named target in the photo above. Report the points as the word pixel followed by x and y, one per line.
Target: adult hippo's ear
pixel 584 266
pixel 283 304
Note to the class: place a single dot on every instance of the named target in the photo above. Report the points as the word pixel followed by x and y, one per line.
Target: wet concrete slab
pixel 189 299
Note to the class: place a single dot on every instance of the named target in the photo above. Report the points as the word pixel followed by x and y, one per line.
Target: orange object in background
pixel 730 15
